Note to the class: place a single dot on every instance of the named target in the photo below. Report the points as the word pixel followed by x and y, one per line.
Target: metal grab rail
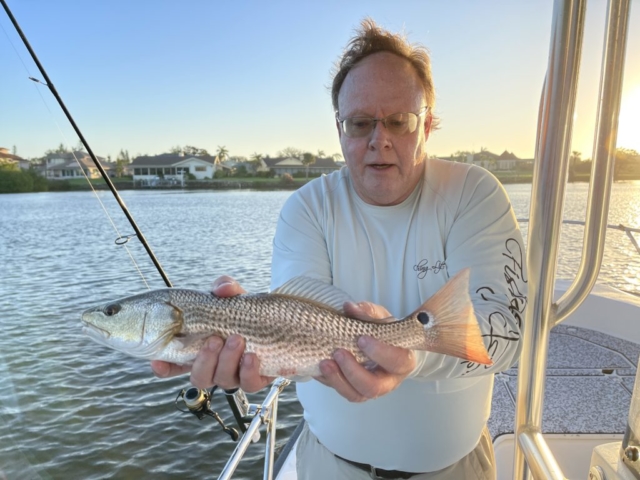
pixel 266 413
pixel 550 175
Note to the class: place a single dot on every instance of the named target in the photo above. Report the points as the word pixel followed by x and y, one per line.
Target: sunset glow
pixel 629 126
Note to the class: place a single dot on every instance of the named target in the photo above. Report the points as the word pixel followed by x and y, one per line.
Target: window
pixel 201 169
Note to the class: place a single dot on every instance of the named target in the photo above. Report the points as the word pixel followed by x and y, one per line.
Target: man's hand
pixel 355 382
pixel 218 362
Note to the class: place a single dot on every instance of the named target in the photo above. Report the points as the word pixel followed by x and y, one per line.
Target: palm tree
pixel 223 153
pixel 307 159
pixel 573 163
pixel 255 160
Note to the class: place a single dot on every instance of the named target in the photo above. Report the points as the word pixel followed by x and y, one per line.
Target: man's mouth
pixel 380 166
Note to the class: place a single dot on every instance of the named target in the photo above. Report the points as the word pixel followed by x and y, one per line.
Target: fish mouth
pixel 94 331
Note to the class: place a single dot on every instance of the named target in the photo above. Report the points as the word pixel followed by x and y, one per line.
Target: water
pixel 71 408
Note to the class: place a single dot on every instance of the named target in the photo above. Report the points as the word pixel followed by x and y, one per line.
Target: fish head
pixel 141 325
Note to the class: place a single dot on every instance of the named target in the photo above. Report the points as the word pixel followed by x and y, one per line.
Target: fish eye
pixel 112 309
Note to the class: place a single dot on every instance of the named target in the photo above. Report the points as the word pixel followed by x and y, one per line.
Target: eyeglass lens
pixel 397 123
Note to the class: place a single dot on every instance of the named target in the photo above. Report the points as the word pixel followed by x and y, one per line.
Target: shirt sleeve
pixel 484 236
pixel 299 245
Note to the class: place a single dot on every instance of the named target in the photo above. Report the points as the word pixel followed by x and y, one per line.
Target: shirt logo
pixel 423 267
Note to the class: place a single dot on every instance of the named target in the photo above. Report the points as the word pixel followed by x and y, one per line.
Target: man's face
pixel 384 168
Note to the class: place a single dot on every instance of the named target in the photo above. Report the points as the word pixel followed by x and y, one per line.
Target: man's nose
pixel 380 136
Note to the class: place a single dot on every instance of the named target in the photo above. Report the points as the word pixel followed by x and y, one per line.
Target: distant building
pixel 505 162
pixel 282 165
pixel 173 166
pixel 8 158
pixel 69 165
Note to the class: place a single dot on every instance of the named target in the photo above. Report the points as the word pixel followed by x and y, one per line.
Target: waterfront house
pixel 9 158
pixel 505 162
pixel 291 165
pixel 148 170
pixel 69 165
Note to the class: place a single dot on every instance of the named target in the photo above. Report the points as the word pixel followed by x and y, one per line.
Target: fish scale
pixel 288 334
pixel 290 330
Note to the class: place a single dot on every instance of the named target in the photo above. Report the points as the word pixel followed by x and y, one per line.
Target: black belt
pixel 379 472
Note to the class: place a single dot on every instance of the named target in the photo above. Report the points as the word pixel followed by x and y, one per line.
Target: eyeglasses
pixel 396 123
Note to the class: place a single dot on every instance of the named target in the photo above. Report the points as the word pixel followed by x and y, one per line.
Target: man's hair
pixel 370 39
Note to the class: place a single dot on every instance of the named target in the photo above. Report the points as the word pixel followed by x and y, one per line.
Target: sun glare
pixel 629 124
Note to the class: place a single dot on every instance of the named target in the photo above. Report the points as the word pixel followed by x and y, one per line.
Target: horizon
pixel 149 76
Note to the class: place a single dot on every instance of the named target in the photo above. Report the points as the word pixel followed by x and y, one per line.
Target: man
pixel 391 228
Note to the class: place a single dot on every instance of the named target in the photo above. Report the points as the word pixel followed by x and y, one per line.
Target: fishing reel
pixel 198 402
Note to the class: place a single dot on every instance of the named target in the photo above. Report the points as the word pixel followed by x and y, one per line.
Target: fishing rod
pixel 236 398
pixel 48 83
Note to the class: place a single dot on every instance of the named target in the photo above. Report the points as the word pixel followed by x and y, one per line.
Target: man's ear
pixel 427 126
pixel 339 127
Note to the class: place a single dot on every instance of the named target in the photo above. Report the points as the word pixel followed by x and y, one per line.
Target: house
pixel 68 165
pixel 174 166
pixel 505 162
pixel 8 158
pixel 282 165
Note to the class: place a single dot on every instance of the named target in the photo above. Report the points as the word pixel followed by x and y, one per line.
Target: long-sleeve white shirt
pixel 398 256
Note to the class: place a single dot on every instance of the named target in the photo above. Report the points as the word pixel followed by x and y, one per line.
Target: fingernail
pixel 338 355
pixel 363 342
pixel 247 361
pixel 214 344
pixel 233 342
pixel 160 370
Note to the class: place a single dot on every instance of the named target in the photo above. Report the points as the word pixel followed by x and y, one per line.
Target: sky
pixel 253 76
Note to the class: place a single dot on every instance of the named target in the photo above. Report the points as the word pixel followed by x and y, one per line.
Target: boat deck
pixel 590 377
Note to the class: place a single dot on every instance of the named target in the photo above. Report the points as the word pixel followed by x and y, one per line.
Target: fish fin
pixel 315 290
pixel 186 340
pixel 448 317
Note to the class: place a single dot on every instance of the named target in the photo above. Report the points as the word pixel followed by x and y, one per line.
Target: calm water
pixel 70 408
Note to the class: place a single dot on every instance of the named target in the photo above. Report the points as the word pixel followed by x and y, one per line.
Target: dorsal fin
pixel 315 290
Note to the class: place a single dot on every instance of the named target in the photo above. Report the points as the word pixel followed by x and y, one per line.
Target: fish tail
pixel 450 324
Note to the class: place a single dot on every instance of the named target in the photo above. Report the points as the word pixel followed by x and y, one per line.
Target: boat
pixel 584 368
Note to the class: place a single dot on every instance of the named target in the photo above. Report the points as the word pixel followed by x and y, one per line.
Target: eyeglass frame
pixel 382 120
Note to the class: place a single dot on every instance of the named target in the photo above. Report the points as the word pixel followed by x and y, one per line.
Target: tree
pixel 627 164
pixel 574 160
pixel 320 153
pixel 256 160
pixel 223 153
pixel 122 161
pixel 290 152
pixel 460 156
pixel 14 150
pixel 336 157
pixel 308 158
pixel 188 150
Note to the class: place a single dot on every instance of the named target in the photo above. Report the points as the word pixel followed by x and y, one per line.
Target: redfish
pixel 291 330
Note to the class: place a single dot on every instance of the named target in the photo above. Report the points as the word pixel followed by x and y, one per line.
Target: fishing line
pixel 119 240
pixel 103 173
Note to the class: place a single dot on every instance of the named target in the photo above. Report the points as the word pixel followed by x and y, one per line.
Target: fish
pixel 291 329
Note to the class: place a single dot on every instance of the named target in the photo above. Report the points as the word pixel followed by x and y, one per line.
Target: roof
pixel 168 159
pixel 508 156
pixel 4 153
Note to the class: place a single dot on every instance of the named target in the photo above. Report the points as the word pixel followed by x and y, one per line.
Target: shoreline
pixel 254 183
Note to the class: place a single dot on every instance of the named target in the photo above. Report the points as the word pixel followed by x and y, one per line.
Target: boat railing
pixel 264 414
pixel 249 417
pixel 532 454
